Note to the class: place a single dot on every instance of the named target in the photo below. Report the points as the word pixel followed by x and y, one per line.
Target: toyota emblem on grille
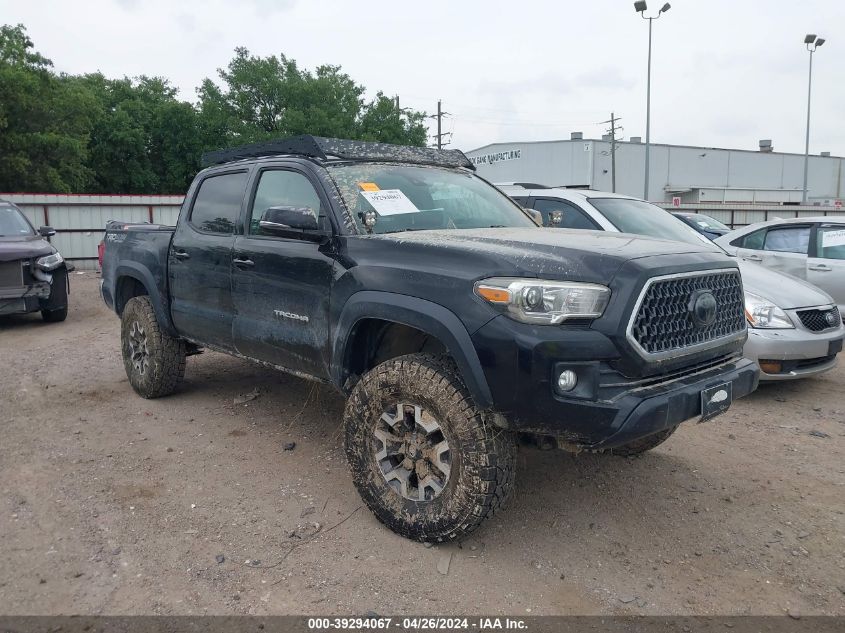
pixel 702 308
pixel 830 317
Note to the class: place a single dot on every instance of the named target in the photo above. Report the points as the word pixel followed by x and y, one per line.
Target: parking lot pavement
pixel 191 504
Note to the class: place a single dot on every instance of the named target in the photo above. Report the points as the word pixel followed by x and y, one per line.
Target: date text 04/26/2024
pixel 480 624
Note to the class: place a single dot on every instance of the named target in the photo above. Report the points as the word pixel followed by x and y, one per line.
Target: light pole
pixel 812 43
pixel 641 7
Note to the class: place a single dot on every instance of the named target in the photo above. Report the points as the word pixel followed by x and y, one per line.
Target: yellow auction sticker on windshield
pixel 368 186
pixel 390 202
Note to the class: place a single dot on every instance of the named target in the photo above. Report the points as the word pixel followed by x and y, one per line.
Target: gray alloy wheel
pixel 413 452
pixel 138 350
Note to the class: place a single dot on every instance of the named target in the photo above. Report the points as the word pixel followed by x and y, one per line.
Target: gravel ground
pixel 191 504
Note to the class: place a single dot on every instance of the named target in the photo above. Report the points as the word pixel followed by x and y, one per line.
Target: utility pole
pixel 398 109
pixel 440 133
pixel 612 131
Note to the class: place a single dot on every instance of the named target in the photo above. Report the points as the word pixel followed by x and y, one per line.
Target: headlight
pixel 542 301
pixel 763 313
pixel 49 262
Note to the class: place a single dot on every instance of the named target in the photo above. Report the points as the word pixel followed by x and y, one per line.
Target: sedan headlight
pixel 542 301
pixel 762 313
pixel 49 262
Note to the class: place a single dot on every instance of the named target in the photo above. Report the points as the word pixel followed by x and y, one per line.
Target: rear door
pixel 826 264
pixel 200 259
pixel 281 285
pixel 781 247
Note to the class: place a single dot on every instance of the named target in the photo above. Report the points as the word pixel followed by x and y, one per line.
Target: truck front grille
pixel 11 274
pixel 818 320
pixel 672 315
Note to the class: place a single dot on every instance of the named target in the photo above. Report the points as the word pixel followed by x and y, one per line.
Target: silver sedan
pixel 795 328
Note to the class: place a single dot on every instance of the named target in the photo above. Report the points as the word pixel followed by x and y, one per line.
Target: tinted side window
pixel 573 218
pixel 218 203
pixel 283 188
pixel 752 240
pixel 788 239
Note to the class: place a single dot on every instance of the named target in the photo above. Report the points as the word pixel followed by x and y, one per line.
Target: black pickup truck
pixel 447 316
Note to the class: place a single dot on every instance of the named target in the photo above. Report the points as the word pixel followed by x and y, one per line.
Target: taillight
pixel 101 249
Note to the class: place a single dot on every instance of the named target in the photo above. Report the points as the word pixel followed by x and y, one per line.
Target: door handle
pixel 820 267
pixel 243 262
pixel 753 258
pixel 181 255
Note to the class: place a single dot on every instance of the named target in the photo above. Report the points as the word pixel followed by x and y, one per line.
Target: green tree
pixel 45 121
pixel 144 139
pixel 381 121
pixel 271 97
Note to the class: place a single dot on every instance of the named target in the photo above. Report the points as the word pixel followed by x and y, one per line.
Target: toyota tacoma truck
pixel 449 319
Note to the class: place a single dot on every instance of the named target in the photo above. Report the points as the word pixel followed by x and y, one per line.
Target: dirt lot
pixel 113 504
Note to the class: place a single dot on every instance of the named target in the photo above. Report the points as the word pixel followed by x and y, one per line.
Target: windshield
pixel 13 223
pixel 415 198
pixel 706 222
pixel 643 218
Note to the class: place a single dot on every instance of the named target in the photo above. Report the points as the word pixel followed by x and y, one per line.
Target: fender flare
pixel 427 316
pixel 145 278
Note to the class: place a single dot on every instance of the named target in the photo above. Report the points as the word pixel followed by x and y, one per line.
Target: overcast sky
pixel 725 73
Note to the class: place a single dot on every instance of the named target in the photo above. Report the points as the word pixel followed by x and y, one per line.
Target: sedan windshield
pixel 414 198
pixel 643 218
pixel 13 223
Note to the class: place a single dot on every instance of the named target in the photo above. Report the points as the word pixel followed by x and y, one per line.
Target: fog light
pixel 771 366
pixel 567 380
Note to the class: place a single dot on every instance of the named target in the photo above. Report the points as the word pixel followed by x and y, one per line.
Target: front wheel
pixel 154 361
pixel 425 459
pixel 54 309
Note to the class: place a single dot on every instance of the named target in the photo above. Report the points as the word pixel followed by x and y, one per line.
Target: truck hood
pixel 24 247
pixel 556 253
pixel 784 290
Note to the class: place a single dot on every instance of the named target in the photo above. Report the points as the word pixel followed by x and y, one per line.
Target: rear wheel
pixel 643 444
pixel 154 361
pixel 424 458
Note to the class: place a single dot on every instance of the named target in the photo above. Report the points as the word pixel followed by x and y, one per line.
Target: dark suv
pixel 33 275
pixel 447 316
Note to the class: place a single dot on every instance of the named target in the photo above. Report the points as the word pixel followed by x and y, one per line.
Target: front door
pixel 826 264
pixel 200 260
pixel 280 285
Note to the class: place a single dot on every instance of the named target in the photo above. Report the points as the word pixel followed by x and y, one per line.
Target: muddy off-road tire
pixel 154 361
pixel 643 444
pixel 426 461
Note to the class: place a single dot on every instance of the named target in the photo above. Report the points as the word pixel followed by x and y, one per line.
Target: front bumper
pixel 23 299
pixel 606 409
pixel 803 353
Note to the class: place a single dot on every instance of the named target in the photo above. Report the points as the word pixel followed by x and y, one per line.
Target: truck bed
pixel 138 251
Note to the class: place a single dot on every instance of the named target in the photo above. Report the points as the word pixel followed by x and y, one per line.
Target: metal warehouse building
pixel 694 174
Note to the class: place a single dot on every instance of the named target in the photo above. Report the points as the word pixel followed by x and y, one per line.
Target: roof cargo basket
pixel 327 148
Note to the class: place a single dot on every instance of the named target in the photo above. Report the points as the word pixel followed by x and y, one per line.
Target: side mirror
pixel 46 231
pixel 286 218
